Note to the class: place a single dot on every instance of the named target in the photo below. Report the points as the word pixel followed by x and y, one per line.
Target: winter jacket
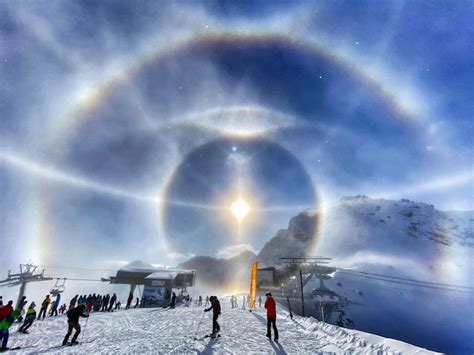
pixel 270 306
pixel 46 302
pixel 74 314
pixel 215 306
pixel 57 301
pixel 7 322
pixel 22 304
pixel 30 315
pixel 6 311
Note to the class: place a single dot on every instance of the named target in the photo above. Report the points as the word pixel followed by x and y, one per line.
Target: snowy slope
pixel 173 331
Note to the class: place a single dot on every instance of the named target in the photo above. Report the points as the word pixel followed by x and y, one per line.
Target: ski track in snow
pixel 173 331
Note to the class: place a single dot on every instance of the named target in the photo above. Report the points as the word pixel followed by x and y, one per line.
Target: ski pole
pixel 85 326
pixel 199 325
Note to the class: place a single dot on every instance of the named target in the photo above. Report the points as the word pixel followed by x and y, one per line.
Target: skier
pixel 5 325
pixel 72 303
pixel 112 302
pixel 260 301
pixel 270 306
pixel 216 311
pixel 129 300
pixel 73 323
pixel 98 303
pixel 62 309
pixel 55 305
pixel 117 305
pixel 173 300
pixel 207 301
pixel 243 302
pixel 105 302
pixel 29 318
pixel 20 307
pixel 44 307
pixel 6 310
pixel 200 301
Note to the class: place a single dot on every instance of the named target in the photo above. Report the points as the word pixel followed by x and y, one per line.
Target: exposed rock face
pixel 219 273
pixel 296 241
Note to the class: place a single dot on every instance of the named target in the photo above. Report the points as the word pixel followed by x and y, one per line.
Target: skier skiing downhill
pixel 216 311
pixel 73 323
pixel 270 306
pixel 29 318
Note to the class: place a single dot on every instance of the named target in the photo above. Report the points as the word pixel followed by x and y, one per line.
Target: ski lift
pixel 59 287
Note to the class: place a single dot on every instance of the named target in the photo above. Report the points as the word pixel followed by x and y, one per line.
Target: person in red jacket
pixel 6 310
pixel 270 306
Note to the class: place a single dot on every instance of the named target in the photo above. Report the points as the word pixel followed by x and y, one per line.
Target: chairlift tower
pixel 28 273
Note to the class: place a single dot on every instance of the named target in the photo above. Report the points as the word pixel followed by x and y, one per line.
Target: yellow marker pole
pixel 253 285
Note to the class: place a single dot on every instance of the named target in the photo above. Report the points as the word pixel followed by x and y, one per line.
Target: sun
pixel 240 209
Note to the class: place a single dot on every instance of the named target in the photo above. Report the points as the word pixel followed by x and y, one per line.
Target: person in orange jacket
pixel 44 307
pixel 270 306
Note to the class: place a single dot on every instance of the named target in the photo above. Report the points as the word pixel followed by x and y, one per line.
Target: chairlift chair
pixel 59 287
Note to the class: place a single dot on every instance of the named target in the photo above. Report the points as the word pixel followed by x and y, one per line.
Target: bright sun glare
pixel 240 209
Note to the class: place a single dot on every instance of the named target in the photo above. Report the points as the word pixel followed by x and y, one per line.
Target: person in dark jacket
pixel 20 307
pixel 216 311
pixel 173 301
pixel 29 318
pixel 72 303
pixel 112 302
pixel 73 323
pixel 270 306
pixel 129 300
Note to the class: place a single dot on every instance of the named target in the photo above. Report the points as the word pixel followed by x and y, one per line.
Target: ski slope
pixel 174 331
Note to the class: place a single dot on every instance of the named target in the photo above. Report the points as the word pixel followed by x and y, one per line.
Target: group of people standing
pixel 245 301
pixel 96 303
pixel 81 306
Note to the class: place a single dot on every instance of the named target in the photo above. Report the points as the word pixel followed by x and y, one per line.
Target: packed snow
pixel 177 331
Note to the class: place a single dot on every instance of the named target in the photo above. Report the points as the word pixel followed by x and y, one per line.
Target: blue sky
pixel 128 128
